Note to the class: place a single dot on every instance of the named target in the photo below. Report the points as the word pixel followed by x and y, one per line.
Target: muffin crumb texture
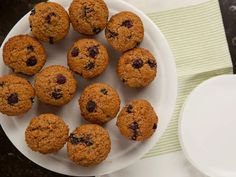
pixel 88 145
pixel 46 133
pixel 99 103
pixel 137 68
pixel 124 31
pixel 55 85
pixel 88 17
pixel 137 120
pixel 49 22
pixel 16 95
pixel 24 54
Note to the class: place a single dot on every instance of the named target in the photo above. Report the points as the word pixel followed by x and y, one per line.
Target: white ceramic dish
pixel 161 93
pixel 207 127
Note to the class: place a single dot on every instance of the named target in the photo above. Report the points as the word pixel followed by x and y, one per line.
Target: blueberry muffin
pixel 55 85
pixel 137 120
pixel 137 68
pixel 24 54
pixel 88 16
pixel 46 133
pixel 88 145
pixel 99 103
pixel 88 58
pixel 16 95
pixel 124 31
pixel 49 22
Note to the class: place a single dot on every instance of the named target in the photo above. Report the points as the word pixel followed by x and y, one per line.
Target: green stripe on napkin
pixel 197 38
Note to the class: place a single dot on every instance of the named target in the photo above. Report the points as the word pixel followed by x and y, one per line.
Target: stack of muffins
pixel 55 85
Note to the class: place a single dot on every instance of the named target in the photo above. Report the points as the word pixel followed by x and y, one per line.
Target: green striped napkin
pixel 197 38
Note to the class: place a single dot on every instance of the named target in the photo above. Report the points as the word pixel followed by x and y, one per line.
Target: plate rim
pixel 173 76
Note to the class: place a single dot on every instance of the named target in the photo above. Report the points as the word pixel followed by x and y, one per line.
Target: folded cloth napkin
pixel 150 6
pixel 197 38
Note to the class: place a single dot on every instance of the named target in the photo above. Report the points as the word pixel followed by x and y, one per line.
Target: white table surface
pixel 169 165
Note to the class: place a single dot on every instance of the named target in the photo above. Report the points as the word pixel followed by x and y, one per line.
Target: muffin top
pixel 49 22
pixel 137 68
pixel 46 133
pixel 87 58
pixel 124 31
pixel 137 120
pixel 55 85
pixel 88 145
pixel 16 95
pixel 99 103
pixel 24 54
pixel 88 16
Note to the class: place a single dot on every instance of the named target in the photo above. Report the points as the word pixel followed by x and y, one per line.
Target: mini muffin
pixel 88 58
pixel 137 120
pixel 88 145
pixel 16 95
pixel 137 68
pixel 99 103
pixel 46 133
pixel 55 85
pixel 24 54
pixel 124 31
pixel 88 16
pixel 49 22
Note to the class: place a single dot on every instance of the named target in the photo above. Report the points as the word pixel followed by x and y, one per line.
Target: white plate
pixel 208 127
pixel 161 93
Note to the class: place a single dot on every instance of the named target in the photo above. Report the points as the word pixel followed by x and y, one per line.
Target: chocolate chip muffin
pixel 24 54
pixel 49 22
pixel 88 16
pixel 137 120
pixel 16 95
pixel 46 133
pixel 124 31
pixel 137 68
pixel 99 103
pixel 88 145
pixel 88 58
pixel 55 85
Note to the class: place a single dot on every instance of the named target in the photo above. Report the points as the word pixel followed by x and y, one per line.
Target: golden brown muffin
pixel 49 22
pixel 88 16
pixel 16 95
pixel 137 68
pixel 137 120
pixel 124 31
pixel 46 133
pixel 88 58
pixel 55 85
pixel 24 54
pixel 88 145
pixel 99 103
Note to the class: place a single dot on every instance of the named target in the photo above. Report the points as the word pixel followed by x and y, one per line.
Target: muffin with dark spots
pixel 16 95
pixel 88 16
pixel 99 103
pixel 55 85
pixel 87 58
pixel 137 120
pixel 124 31
pixel 88 145
pixel 24 54
pixel 49 22
pixel 46 133
pixel 137 68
